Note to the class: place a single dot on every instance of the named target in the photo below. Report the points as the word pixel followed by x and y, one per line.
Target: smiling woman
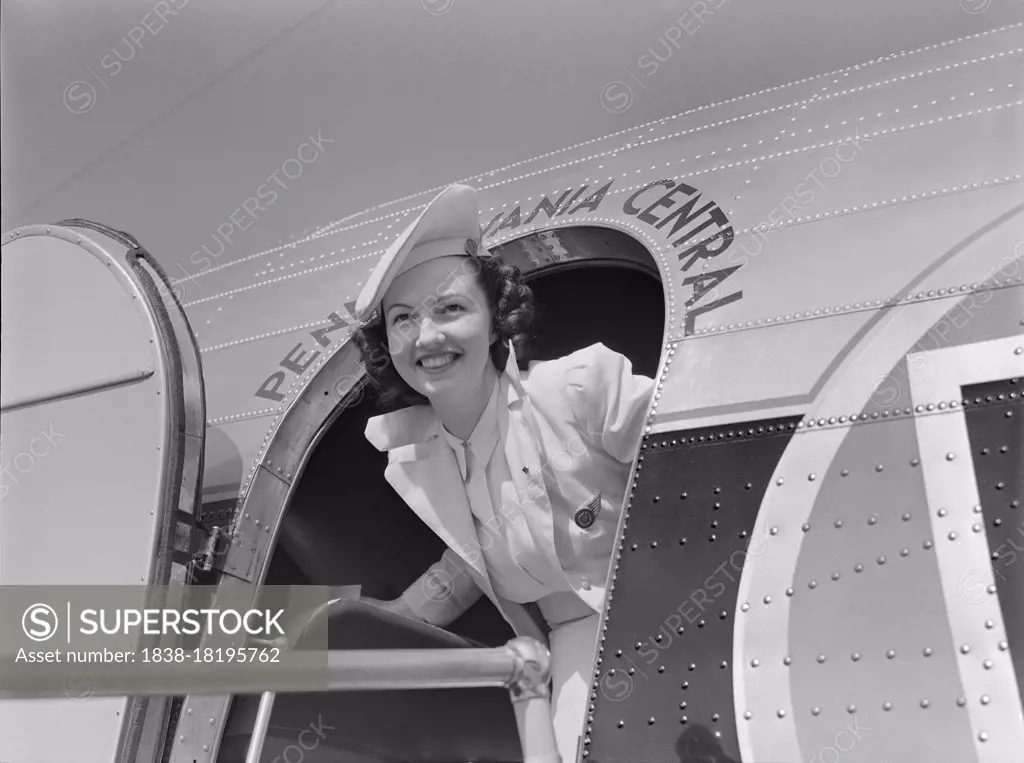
pixel 445 333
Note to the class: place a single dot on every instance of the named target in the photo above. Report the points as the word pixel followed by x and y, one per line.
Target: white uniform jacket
pixel 572 424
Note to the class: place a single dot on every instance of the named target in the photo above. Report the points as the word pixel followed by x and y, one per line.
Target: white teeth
pixel 436 361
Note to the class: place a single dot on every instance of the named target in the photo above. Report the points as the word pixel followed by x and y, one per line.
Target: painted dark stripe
pixel 667 653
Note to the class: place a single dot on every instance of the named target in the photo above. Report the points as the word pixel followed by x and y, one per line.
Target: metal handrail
pixel 260 727
pixel 302 671
pixel 523 666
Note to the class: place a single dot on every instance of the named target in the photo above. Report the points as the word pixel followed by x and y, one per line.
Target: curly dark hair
pixel 512 313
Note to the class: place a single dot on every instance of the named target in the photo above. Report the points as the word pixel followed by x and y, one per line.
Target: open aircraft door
pixel 103 419
pixel 103 435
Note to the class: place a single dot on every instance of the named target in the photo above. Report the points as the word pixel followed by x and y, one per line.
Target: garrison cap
pixel 449 226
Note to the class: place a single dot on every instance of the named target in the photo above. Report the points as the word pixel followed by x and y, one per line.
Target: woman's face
pixel 439 327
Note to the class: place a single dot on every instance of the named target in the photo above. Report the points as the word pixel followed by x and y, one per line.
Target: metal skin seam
pixel 772 110
pixel 650 125
pixel 740 433
pixel 628 146
pixel 708 171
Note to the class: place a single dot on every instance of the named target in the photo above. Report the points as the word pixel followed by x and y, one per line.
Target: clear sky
pixel 162 118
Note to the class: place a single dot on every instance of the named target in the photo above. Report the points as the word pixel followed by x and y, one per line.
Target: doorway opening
pixel 345 525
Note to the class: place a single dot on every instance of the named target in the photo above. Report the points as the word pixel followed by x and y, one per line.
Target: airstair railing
pixel 522 666
pixel 527 684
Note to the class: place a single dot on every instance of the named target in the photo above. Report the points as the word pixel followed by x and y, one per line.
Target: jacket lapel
pixel 521 437
pixel 423 471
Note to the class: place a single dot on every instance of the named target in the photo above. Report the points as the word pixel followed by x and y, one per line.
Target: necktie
pixel 476 483
pixel 467 457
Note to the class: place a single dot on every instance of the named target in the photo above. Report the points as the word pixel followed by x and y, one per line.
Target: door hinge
pixel 199 547
pixel 211 550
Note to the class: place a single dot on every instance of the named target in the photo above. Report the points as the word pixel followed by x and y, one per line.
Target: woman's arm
pixel 439 596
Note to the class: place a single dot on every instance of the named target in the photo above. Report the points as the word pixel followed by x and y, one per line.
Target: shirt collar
pixel 483 438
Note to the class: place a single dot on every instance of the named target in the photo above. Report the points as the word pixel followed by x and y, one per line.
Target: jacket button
pixel 586 584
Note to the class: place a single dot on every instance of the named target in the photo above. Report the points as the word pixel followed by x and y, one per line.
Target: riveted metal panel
pixel 231 448
pixel 664 688
pixel 787 368
pixel 844 174
pixel 995 424
pixel 239 383
pixel 865 675
pixel 243 311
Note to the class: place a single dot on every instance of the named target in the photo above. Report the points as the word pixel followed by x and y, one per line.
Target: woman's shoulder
pixel 591 356
pixel 405 426
pixel 576 372
pixel 596 389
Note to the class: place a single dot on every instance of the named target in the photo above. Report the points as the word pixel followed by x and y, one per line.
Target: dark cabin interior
pixel 345 525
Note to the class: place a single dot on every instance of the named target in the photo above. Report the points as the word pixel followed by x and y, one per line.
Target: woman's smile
pixel 438 363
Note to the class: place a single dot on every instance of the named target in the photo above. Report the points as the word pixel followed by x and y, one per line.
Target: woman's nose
pixel 430 333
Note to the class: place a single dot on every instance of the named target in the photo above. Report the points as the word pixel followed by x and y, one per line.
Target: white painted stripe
pixel 964 567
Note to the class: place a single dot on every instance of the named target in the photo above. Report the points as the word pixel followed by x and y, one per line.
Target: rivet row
pixel 650 126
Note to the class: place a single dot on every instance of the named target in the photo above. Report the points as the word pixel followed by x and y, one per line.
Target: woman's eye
pixel 399 318
pixel 453 308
